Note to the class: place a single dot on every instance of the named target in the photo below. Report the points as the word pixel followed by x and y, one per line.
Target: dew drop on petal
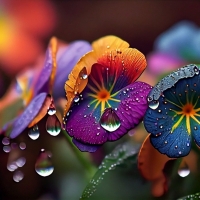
pixel 12 166
pixel 34 132
pixel 53 125
pixel 43 165
pixel 18 176
pixel 109 120
pixel 153 104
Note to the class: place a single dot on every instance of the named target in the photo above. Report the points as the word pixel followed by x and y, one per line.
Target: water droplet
pixel 22 145
pixel 6 149
pixel 12 166
pixel 83 73
pixel 51 111
pixel 195 128
pixel 20 162
pixel 153 104
pixel 34 132
pixel 183 170
pixel 53 125
pixel 76 98
pixel 6 141
pixel 109 120
pixel 18 176
pixel 43 165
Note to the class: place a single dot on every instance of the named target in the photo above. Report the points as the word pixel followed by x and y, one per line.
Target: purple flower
pixel 39 92
pixel 104 101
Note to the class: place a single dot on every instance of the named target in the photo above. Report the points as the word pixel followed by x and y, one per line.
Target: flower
pixel 175 47
pixel 37 91
pixel 103 99
pixel 173 116
pixel 22 32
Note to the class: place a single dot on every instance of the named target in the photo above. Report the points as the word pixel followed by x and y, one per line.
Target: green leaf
pixel 191 197
pixel 122 155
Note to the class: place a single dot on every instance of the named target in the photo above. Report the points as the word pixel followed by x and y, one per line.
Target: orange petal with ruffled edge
pixel 151 164
pixel 125 61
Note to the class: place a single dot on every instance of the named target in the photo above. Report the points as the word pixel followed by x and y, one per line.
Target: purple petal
pixel 131 109
pixel 67 59
pixel 42 84
pixel 22 122
pixel 162 62
pixel 85 147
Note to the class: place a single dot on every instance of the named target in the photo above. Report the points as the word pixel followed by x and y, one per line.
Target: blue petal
pixel 66 61
pixel 22 122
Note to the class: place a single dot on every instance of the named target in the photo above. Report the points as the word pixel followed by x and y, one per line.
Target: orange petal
pixel 42 112
pixel 54 48
pixel 151 164
pixel 106 43
pixel 125 61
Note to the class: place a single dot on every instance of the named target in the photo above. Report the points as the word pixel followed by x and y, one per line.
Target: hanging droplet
pixel 6 149
pixel 6 141
pixel 109 120
pixel 20 162
pixel 18 176
pixel 51 111
pixel 22 145
pixel 43 165
pixel 183 171
pixel 153 104
pixel 53 125
pixel 34 132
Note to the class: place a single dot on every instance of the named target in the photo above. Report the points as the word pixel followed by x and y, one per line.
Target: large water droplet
pixel 109 120
pixel 183 171
pixel 18 176
pixel 43 165
pixel 53 125
pixel 34 132
pixel 153 104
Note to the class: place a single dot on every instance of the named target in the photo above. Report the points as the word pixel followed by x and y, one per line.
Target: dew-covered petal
pixel 85 147
pixel 124 65
pixel 66 60
pixel 46 77
pixel 22 122
pixel 131 109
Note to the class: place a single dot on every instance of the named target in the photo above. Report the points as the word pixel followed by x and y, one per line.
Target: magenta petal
pixel 66 60
pixel 22 122
pixel 85 147
pixel 131 109
pixel 42 84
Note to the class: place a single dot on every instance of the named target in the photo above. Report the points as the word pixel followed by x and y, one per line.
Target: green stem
pixel 85 161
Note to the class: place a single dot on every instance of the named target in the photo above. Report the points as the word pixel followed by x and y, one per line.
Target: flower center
pixel 103 95
pixel 188 109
